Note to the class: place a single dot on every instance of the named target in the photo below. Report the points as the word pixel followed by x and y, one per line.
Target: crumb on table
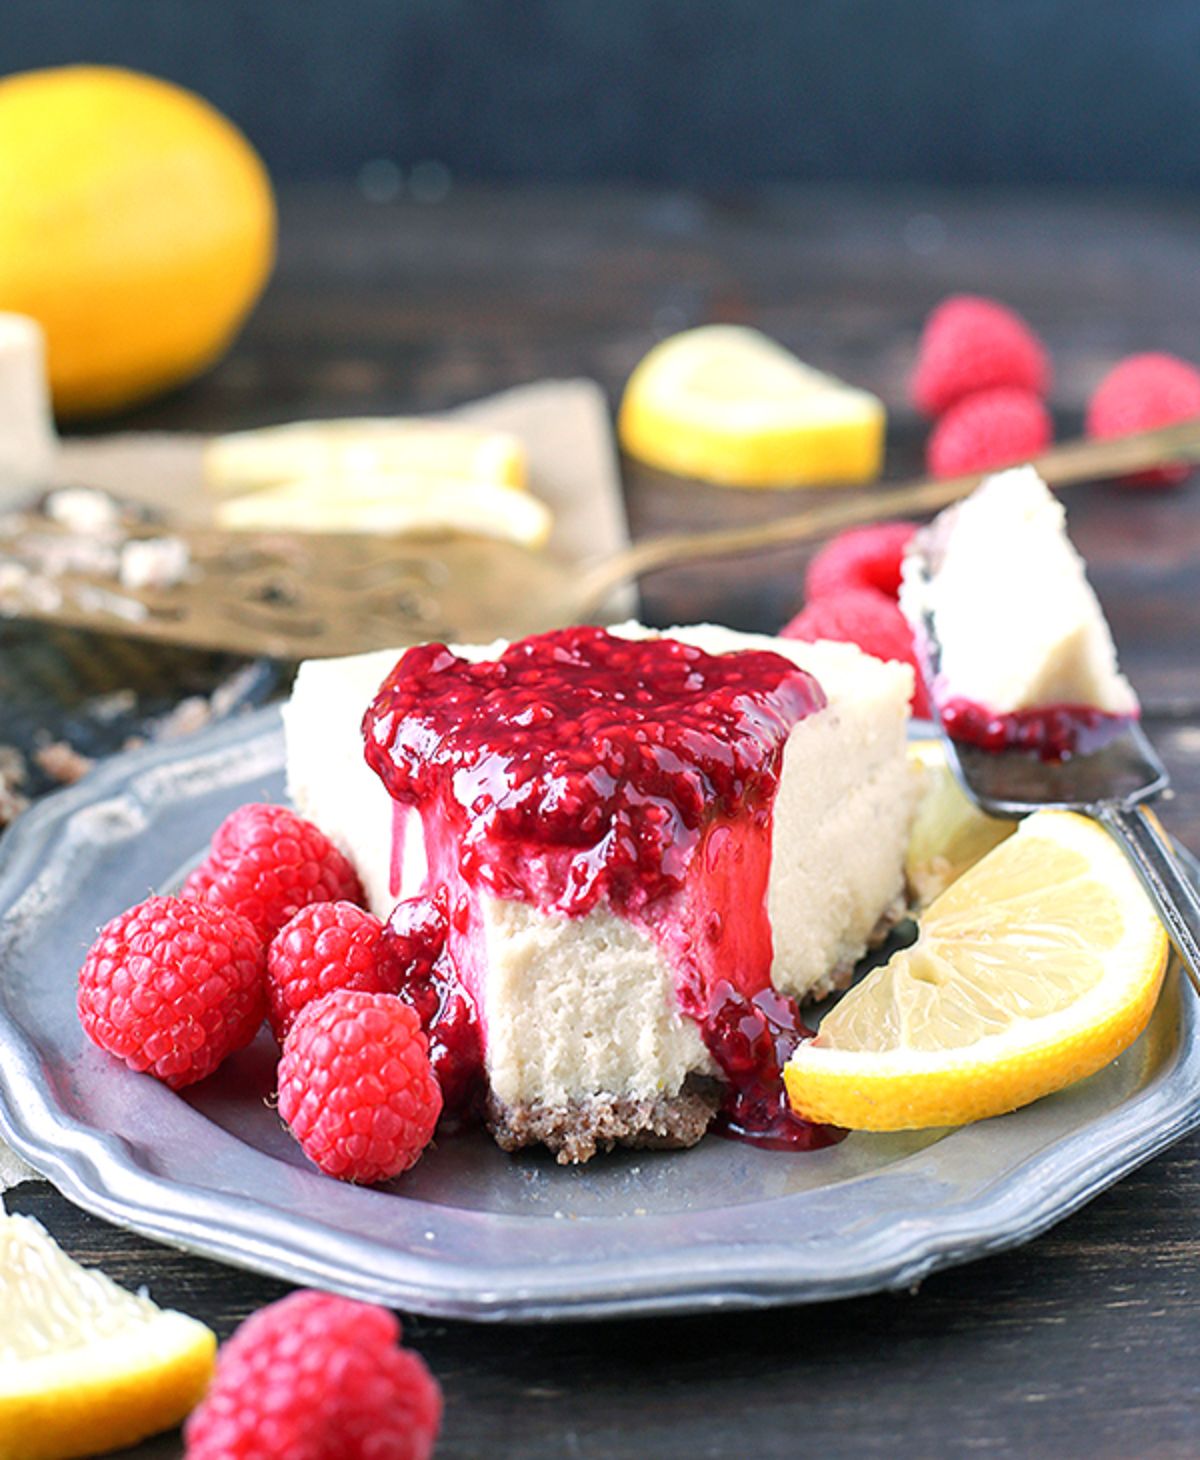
pixel 62 762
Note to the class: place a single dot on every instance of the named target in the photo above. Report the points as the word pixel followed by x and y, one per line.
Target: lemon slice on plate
pixel 949 832
pixel 392 502
pixel 85 1366
pixel 1036 968
pixel 245 460
pixel 728 405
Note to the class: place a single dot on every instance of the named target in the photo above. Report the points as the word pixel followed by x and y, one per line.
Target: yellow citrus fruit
pixel 137 226
pixel 85 1366
pixel 949 832
pixel 395 503
pixel 725 404
pixel 1034 969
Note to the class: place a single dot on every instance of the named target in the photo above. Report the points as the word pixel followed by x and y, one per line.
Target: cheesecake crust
pixel 576 1130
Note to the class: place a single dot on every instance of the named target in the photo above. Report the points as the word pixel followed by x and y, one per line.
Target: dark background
pixel 693 92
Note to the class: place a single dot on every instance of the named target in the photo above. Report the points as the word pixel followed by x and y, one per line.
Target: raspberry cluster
pixel 173 986
pixel 270 926
pixel 983 375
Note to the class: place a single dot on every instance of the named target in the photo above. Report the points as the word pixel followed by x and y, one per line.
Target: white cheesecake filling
pixel 1017 623
pixel 577 1008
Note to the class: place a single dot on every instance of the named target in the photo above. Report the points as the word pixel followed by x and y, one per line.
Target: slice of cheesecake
pixel 633 852
pixel 999 598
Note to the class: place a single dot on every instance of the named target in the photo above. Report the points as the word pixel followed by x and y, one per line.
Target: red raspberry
pixel 172 987
pixel 1139 394
pixel 314 1377
pixel 356 1086
pixel 867 618
pixel 326 946
pixel 995 428
pixel 863 557
pixel 266 863
pixel 971 344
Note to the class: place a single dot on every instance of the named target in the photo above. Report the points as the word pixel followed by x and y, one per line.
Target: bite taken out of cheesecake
pixel 636 852
pixel 1017 650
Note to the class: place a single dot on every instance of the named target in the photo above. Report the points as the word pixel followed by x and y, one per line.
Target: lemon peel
pixel 86 1366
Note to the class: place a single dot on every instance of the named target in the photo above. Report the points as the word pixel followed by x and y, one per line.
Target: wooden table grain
pixel 1081 1344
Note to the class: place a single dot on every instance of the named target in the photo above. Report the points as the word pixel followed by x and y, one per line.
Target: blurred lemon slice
pixel 949 832
pixel 85 1366
pixel 392 502
pixel 245 460
pixel 1037 967
pixel 728 405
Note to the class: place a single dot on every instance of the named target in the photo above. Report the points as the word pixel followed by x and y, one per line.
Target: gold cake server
pixel 312 595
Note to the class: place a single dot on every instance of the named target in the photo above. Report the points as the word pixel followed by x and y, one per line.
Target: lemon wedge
pixel 392 502
pixel 949 832
pixel 1036 968
pixel 85 1366
pixel 728 405
pixel 246 460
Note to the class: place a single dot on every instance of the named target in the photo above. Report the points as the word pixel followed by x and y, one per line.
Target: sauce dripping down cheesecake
pixel 580 769
pixel 602 980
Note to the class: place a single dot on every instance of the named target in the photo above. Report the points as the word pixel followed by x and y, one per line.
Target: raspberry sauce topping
pixel 580 770
pixel 580 767
pixel 414 945
pixel 752 1039
pixel 1052 732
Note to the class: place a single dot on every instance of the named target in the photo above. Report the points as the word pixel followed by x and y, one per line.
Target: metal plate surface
pixel 471 1232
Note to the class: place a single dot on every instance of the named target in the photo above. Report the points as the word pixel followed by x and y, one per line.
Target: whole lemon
pixel 137 225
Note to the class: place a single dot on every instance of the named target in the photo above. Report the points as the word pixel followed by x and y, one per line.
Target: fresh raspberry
pixel 1139 394
pixel 356 1086
pixel 995 428
pixel 172 987
pixel 971 344
pixel 266 863
pixel 863 557
pixel 325 946
pixel 315 1377
pixel 865 617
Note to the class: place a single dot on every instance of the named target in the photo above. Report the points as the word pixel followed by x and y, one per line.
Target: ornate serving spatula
pixel 311 595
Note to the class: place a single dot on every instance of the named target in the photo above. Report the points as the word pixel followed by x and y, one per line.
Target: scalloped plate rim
pixel 100 1173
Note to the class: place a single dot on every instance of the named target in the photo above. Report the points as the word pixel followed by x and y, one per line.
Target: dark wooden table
pixel 1083 1343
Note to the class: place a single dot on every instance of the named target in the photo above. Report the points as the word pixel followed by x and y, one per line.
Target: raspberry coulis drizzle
pixel 423 975
pixel 578 770
pixel 1051 732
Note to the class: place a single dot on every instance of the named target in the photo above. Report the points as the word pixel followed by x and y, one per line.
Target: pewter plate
pixel 472 1233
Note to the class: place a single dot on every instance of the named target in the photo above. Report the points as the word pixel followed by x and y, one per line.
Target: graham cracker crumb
pixel 577 1130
